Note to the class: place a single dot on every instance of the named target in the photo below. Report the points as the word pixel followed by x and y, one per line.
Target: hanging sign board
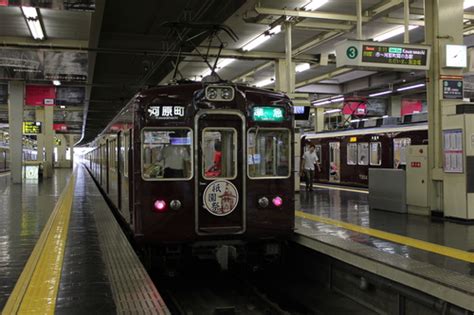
pixel 375 55
pixel 453 89
pixel 39 95
pixel 31 127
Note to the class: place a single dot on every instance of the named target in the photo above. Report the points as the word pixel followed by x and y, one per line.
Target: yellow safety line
pixel 426 246
pixel 37 287
pixel 362 191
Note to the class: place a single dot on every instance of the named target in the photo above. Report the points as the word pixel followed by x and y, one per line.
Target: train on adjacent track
pixel 345 156
pixel 200 167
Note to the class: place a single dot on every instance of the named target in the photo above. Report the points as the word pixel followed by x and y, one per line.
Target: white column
pixel 395 106
pixel 72 141
pixel 40 137
pixel 16 91
pixel 318 119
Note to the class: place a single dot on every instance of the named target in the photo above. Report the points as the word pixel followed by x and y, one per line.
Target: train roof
pixel 376 130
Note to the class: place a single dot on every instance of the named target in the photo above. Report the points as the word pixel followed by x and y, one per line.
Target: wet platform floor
pixel 352 207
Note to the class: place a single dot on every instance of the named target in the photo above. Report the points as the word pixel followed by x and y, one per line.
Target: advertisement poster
pixel 355 108
pixel 39 95
pixel 70 96
pixel 411 106
pixel 453 151
pixel 377 107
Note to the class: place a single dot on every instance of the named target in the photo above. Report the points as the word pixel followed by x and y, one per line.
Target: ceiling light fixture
pixel 315 4
pixel 56 82
pixel 332 111
pixel 62 107
pixel 329 100
pixel 33 21
pixel 393 32
pixel 380 93
pixel 265 82
pixel 410 87
pixel 468 4
pixel 260 39
pixel 302 67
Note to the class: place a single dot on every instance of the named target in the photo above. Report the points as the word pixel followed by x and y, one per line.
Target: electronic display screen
pixel 394 55
pixel 301 112
pixel 31 127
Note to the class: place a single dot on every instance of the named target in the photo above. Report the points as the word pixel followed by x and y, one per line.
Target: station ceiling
pixel 131 46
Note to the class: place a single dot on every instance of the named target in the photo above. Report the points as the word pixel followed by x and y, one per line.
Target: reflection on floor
pixel 24 210
pixel 352 207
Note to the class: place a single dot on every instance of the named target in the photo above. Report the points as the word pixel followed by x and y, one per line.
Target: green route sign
pixel 268 113
pixel 352 52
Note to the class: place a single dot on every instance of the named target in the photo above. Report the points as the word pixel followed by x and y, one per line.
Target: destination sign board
pixel 31 127
pixel 375 55
pixel 267 113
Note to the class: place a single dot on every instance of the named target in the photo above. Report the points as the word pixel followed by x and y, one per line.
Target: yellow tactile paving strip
pixel 426 246
pixel 36 290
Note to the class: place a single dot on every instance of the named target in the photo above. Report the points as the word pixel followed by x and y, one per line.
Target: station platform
pixel 63 252
pixel 431 256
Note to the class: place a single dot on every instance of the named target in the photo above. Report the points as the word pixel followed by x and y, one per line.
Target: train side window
pixel 352 154
pixel 219 158
pixel 399 151
pixel 318 151
pixel 375 153
pixel 268 153
pixel 363 153
pixel 167 154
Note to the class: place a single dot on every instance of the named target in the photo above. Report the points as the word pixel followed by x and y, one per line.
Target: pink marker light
pixel 160 206
pixel 277 201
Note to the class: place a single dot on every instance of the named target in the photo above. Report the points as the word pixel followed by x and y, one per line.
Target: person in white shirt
pixel 310 159
pixel 176 159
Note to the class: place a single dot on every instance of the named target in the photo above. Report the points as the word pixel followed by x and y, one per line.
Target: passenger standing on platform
pixel 310 159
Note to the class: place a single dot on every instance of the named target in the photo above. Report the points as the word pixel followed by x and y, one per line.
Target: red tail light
pixel 160 206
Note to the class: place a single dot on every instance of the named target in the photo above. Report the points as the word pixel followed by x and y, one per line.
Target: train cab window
pixel 375 153
pixel 363 153
pixel 219 153
pixel 167 154
pixel 352 154
pixel 399 151
pixel 318 152
pixel 268 153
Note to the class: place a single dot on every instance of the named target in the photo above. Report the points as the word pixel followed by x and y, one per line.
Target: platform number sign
pixel 352 52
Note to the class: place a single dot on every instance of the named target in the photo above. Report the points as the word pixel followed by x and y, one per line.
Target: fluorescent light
pixel 265 82
pixel 468 4
pixel 380 93
pixel 222 63
pixel 56 82
pixel 302 67
pixel 332 111
pixel 385 116
pixel 260 39
pixel 410 87
pixel 34 24
pixel 328 100
pixel 62 107
pixel 393 32
pixel 355 120
pixel 340 99
pixel 321 103
pixel 315 4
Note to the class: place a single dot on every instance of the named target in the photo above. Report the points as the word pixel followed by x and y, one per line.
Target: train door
pixel 220 173
pixel 334 162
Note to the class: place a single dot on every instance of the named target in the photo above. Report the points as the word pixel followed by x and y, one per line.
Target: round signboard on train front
pixel 220 197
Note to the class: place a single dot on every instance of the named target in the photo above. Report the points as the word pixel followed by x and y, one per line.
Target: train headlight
pixel 263 202
pixel 277 201
pixel 160 206
pixel 220 93
pixel 175 204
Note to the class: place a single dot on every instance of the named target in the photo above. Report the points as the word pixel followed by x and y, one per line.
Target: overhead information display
pixel 31 127
pixel 374 55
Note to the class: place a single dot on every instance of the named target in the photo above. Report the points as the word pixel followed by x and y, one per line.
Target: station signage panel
pixel 374 55
pixel 31 127
pixel 453 89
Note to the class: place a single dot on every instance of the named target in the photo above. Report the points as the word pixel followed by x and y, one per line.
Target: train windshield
pixel 166 154
pixel 268 153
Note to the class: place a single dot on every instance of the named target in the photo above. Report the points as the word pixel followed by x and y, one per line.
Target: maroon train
pixel 346 156
pixel 200 164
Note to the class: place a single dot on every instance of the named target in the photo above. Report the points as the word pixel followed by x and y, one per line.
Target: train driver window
pixel 375 153
pixel 399 151
pixel 363 153
pixel 219 153
pixel 352 154
pixel 166 154
pixel 268 153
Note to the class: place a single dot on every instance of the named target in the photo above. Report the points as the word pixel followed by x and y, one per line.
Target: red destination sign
pixel 40 95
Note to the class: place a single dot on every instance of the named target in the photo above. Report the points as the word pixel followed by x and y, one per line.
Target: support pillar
pixel 395 106
pixel 318 119
pixel 40 137
pixel 16 91
pixel 72 141
pixel 48 133
pixel 443 25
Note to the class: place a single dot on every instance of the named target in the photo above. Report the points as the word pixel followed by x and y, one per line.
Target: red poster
pixel 3 3
pixel 411 106
pixel 355 108
pixel 40 95
pixel 60 127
